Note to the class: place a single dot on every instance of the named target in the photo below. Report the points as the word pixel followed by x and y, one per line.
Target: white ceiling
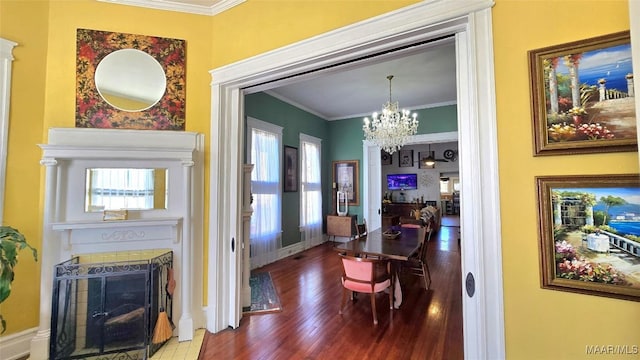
pixel 423 76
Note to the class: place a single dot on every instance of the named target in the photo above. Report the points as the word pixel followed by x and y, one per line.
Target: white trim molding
pixel 470 22
pixel 198 7
pixel 16 346
pixel 6 60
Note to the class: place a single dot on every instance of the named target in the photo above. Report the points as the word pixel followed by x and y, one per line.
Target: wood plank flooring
pixel 428 325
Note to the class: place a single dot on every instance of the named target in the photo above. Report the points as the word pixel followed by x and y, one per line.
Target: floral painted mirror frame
pixel 92 111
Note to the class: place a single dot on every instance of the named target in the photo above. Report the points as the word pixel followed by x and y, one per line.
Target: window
pixel 310 189
pixel 264 141
pixel 449 185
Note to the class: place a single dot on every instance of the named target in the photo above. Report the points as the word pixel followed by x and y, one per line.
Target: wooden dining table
pixel 375 243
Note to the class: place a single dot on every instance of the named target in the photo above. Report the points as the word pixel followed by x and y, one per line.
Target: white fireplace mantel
pixel 68 230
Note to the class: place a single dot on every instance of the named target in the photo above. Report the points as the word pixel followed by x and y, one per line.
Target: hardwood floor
pixel 428 325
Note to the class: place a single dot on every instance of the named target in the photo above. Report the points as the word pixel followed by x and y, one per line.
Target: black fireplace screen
pixel 110 310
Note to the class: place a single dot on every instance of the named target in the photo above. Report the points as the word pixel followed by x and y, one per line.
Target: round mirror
pixel 130 80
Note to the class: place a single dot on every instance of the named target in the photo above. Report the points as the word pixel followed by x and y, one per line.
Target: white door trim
pixel 471 22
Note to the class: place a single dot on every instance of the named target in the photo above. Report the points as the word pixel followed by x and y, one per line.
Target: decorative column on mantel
pixel 185 328
pixel 40 342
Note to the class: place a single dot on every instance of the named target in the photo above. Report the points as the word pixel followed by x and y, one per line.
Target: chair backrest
pixel 424 235
pixel 360 269
pixel 361 229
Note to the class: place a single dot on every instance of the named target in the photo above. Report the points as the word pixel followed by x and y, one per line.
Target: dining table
pixel 378 243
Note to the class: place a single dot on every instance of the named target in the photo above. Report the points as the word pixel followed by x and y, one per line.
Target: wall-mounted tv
pixel 402 181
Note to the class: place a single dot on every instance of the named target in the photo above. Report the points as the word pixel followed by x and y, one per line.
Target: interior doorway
pixel 470 22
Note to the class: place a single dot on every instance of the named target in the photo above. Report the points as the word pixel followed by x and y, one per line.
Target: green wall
pixel 341 140
pixel 294 121
pixel 347 135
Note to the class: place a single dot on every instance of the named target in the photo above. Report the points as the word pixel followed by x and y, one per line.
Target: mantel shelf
pixel 110 224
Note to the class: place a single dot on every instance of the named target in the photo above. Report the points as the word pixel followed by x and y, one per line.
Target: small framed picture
pixel 385 158
pixel 290 169
pixel 405 158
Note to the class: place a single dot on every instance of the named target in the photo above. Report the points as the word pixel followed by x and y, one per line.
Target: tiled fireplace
pixel 71 231
pixel 108 305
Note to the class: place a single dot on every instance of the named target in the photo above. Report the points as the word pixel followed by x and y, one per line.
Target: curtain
pixel 266 221
pixel 310 190
pixel 113 189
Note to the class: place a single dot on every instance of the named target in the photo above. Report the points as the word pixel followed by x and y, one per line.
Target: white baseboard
pixel 290 250
pixel 17 345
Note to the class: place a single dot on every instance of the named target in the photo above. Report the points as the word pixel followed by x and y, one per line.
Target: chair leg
pixel 373 308
pixel 427 275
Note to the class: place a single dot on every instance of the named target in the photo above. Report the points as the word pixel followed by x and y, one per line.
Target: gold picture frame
pixel 582 96
pixel 588 234
pixel 346 178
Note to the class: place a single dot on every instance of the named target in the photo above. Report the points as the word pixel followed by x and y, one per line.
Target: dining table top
pixel 377 244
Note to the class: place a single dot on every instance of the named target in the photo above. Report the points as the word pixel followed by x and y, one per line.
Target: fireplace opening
pixel 110 309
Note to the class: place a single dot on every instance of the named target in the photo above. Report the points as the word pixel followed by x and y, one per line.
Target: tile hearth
pixel 186 350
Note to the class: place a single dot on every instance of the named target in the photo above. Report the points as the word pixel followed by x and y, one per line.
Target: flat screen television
pixel 402 181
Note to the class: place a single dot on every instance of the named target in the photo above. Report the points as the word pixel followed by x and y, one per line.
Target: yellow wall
pixel 538 323
pixel 43 90
pixel 23 186
pixel 545 324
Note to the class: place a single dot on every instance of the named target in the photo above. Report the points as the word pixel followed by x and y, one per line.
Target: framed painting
pixel 385 158
pixel 129 81
pixel 290 169
pixel 405 158
pixel 583 96
pixel 589 231
pixel 346 178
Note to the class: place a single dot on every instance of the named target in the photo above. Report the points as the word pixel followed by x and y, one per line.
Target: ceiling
pixel 423 76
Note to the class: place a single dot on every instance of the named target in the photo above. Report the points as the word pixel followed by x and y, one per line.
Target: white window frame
pixel 6 60
pixel 253 123
pixel 317 142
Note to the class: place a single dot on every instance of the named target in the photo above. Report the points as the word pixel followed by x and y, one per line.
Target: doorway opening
pixel 471 24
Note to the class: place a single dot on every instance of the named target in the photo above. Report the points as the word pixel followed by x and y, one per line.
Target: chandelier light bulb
pixel 390 129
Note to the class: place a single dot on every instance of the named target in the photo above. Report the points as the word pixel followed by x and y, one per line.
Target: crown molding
pixel 186 6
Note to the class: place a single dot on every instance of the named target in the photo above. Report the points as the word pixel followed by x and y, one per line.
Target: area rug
pixel 264 297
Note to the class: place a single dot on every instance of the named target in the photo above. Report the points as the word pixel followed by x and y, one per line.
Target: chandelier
pixel 390 129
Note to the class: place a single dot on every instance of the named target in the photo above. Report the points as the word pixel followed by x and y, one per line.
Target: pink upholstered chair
pixel 366 275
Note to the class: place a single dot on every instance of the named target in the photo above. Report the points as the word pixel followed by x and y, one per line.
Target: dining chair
pixel 368 276
pixel 361 229
pixel 417 264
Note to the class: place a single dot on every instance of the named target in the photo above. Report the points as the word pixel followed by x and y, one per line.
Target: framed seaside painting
pixel 590 234
pixel 583 96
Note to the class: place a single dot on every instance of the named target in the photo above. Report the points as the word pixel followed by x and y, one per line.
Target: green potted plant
pixel 11 242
